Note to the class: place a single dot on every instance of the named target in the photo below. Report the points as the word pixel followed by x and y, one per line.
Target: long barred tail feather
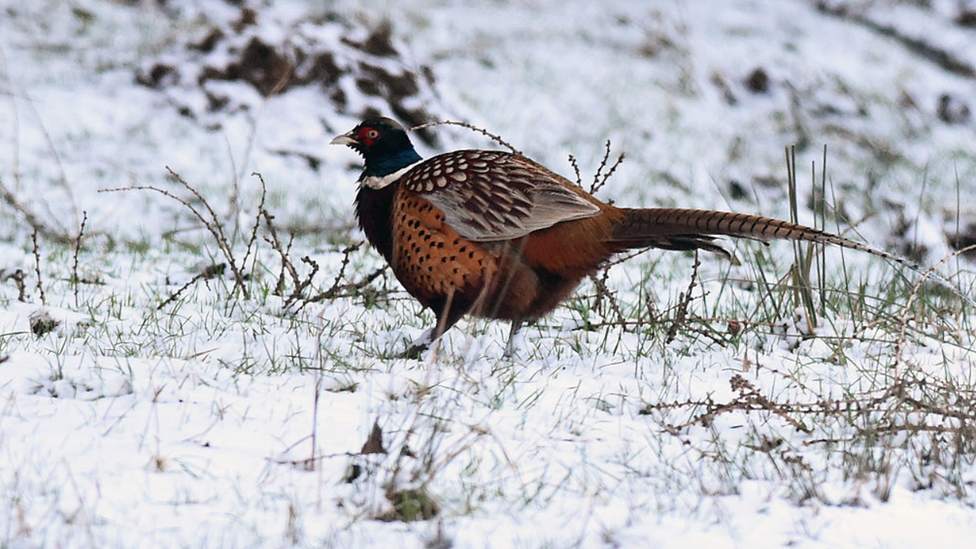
pixel 688 229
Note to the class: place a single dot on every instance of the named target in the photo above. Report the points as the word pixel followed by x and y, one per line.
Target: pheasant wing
pixel 493 195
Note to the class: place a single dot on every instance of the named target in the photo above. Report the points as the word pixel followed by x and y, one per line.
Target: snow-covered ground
pixel 224 418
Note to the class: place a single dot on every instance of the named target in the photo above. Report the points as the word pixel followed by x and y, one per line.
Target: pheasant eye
pixel 367 135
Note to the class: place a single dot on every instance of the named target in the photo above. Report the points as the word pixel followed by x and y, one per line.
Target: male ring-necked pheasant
pixel 494 234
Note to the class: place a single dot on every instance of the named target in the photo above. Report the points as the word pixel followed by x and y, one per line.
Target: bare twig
pixel 286 264
pixel 217 230
pixel 19 279
pixel 346 252
pixel 605 295
pixel 257 221
pixel 336 289
pixel 599 178
pixel 471 127
pixel 212 271
pixel 298 292
pixel 576 170
pixel 210 221
pixel 300 285
pixel 681 313
pixel 346 289
pixel 37 267
pixel 75 280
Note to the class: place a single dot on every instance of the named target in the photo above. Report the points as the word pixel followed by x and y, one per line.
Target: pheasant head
pixel 385 148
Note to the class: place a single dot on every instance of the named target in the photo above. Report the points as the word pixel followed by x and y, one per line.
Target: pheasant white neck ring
pixel 380 181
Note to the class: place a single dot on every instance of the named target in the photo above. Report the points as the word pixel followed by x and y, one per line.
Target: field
pixel 197 349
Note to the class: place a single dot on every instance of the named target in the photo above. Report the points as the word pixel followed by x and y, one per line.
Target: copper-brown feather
pixel 496 235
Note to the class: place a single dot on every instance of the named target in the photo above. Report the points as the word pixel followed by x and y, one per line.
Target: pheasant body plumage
pixel 497 235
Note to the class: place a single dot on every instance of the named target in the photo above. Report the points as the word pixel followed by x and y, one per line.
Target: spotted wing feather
pixel 492 195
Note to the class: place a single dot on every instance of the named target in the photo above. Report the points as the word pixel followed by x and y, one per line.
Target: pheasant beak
pixel 345 139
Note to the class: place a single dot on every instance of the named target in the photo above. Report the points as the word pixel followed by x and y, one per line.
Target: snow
pixel 223 421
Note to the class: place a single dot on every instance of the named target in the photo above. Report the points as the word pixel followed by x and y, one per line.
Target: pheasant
pixel 494 234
